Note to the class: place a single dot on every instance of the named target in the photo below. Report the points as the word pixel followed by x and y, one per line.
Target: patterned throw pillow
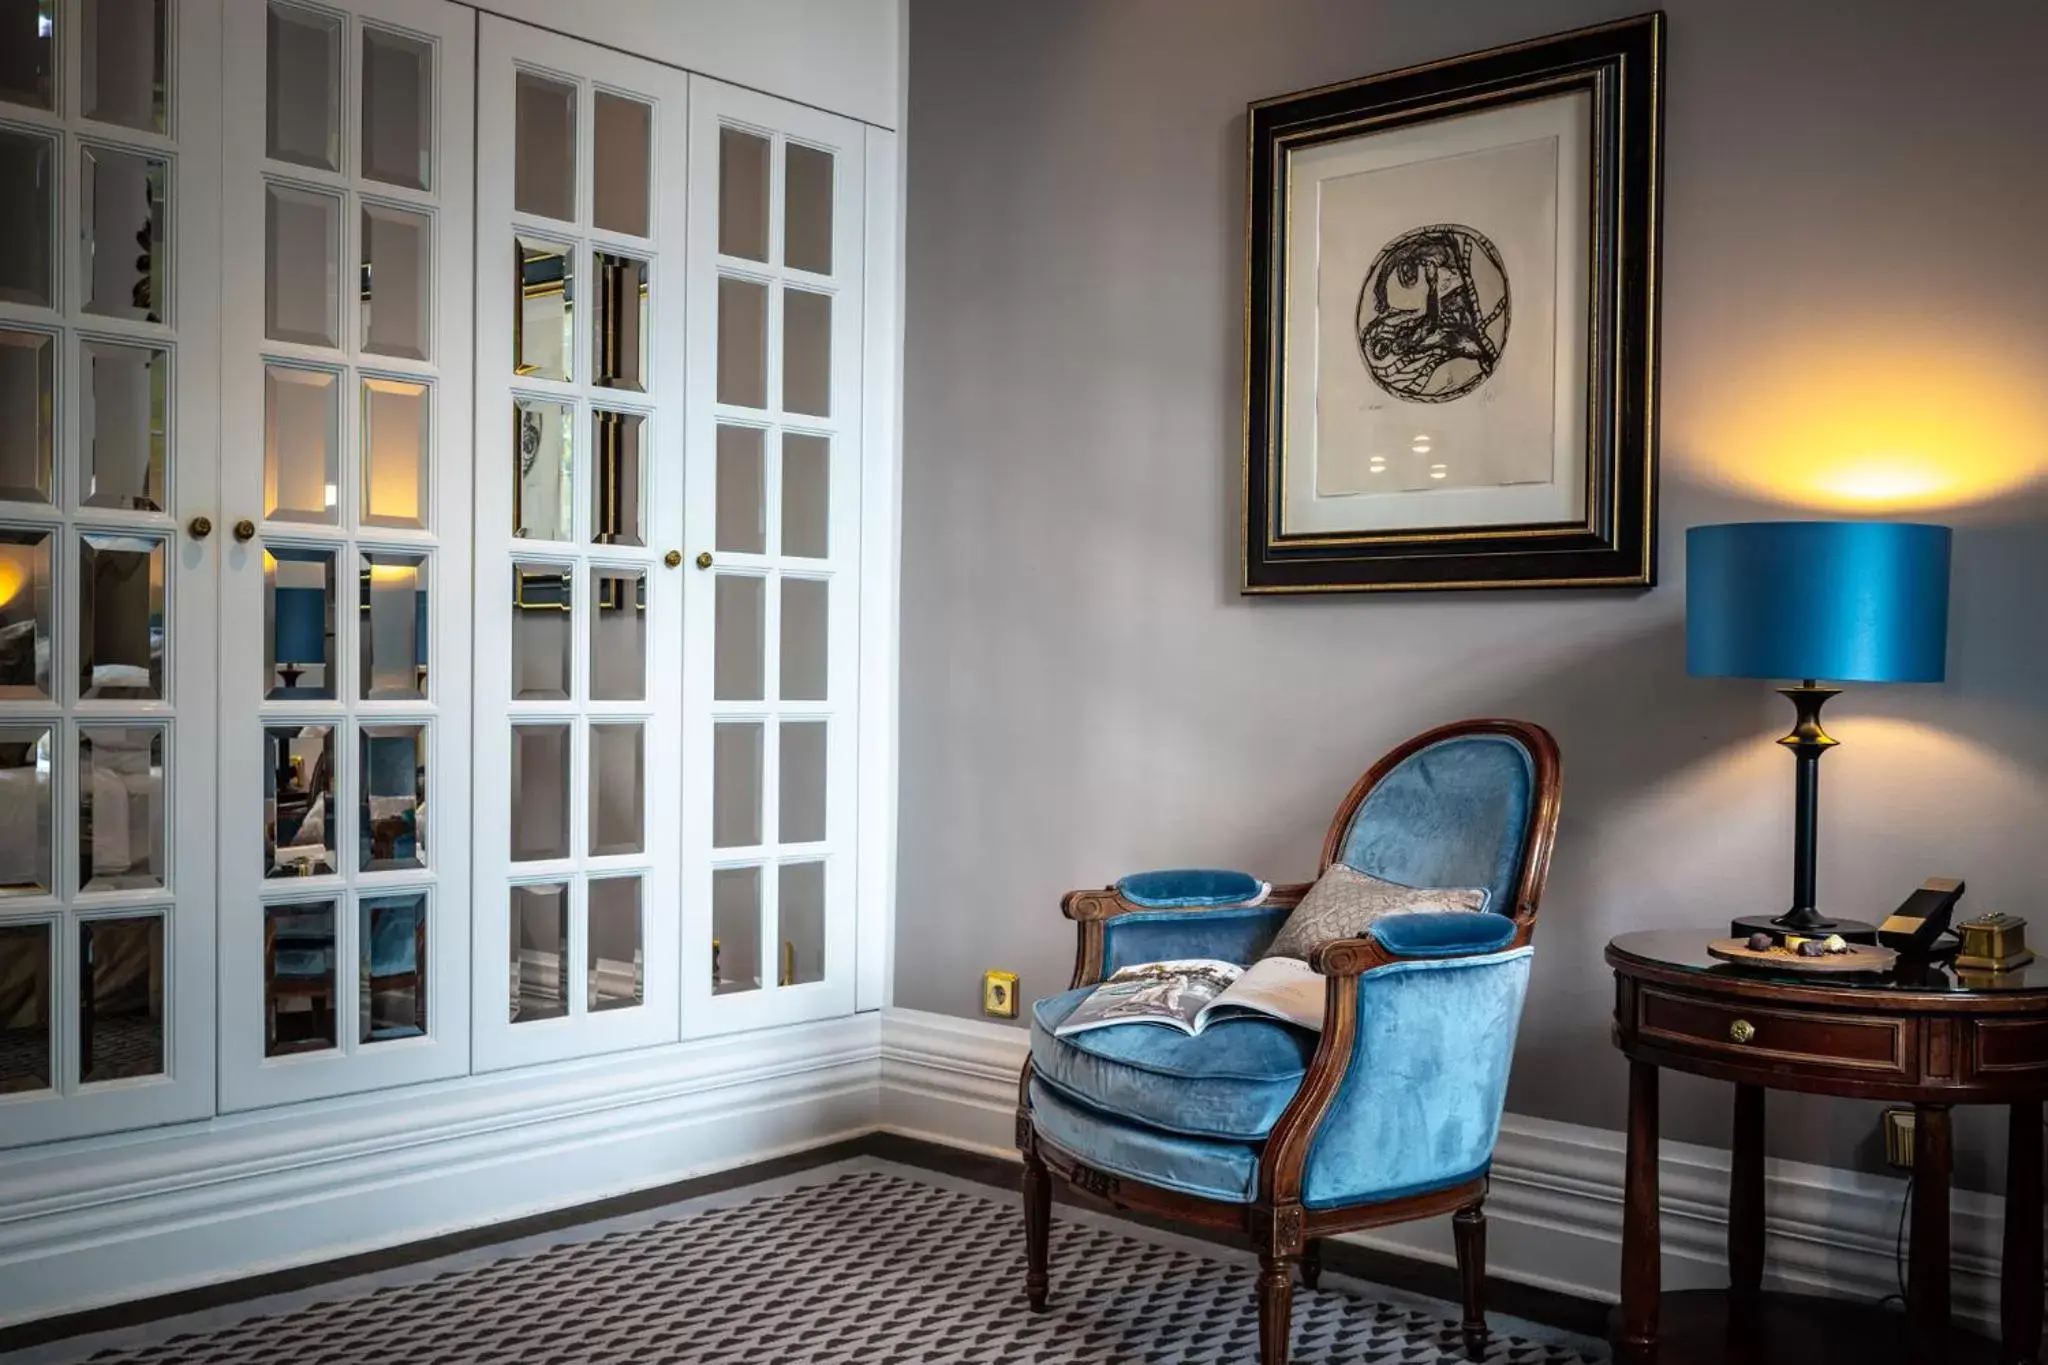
pixel 1344 901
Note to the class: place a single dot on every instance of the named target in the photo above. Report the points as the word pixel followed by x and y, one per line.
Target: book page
pixel 1284 987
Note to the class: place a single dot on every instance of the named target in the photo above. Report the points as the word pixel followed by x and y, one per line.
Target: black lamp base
pixel 1851 930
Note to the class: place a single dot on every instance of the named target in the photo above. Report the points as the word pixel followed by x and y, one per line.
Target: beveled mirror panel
pixel 28 414
pixel 397 289
pixel 544 315
pixel 804 638
pixel 806 352
pixel 544 459
pixel 742 194
pixel 539 937
pixel 619 514
pixel 300 955
pixel 298 778
pixel 25 1025
pixel 736 784
pixel 807 209
pixel 126 70
pixel 544 155
pixel 27 810
pixel 391 967
pixel 121 807
pixel 398 109
pixel 618 976
pixel 303 80
pixel 28 187
pixel 806 496
pixel 623 132
pixel 392 634
pixel 618 634
pixel 740 630
pixel 28 76
pixel 618 788
pixel 392 780
pixel 301 445
pixel 540 792
pixel 621 330
pixel 742 491
pixel 543 632
pixel 125 426
pixel 121 199
pixel 25 601
pixel 121 624
pixel 801 794
pixel 121 998
pixel 301 265
pixel 800 927
pixel 742 343
pixel 395 461
pixel 299 599
pixel 735 930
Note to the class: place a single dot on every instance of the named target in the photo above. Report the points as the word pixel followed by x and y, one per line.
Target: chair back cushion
pixel 1453 814
pixel 1345 903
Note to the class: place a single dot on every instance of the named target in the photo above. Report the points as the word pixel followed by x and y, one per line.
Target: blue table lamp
pixel 1834 601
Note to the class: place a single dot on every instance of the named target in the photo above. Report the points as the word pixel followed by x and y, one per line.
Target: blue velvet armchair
pixel 1391 1112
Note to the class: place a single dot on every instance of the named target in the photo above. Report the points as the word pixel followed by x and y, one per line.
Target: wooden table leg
pixel 1927 1276
pixel 1746 1195
pixel 1640 1239
pixel 2019 1293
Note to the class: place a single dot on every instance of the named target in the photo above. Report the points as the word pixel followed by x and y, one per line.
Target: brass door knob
pixel 1741 1031
pixel 200 527
pixel 245 530
pixel 704 560
pixel 672 558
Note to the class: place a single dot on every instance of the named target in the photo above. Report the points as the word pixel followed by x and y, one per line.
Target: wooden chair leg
pixel 1312 1262
pixel 1037 1230
pixel 1469 1228
pixel 1276 1308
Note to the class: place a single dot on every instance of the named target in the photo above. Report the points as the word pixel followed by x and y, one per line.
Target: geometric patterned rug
pixel 860 1267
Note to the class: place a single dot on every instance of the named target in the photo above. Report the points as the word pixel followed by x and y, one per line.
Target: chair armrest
pixel 1094 912
pixel 1427 934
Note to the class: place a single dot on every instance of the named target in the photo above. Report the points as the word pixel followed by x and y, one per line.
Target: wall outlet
pixel 1898 1138
pixel 999 994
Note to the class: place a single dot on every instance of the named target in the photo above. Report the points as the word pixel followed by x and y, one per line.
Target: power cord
pixel 1899 1250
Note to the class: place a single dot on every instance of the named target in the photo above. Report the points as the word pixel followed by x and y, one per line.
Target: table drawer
pixel 1734 1030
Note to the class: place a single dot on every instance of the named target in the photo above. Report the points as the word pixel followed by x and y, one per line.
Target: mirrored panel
pixel 742 194
pixel 742 343
pixel 27 811
pixel 618 634
pixel 397 288
pixel 618 788
pixel 121 197
pixel 125 76
pixel 618 973
pixel 807 209
pixel 800 801
pixel 740 631
pixel 395 446
pixel 539 940
pixel 125 426
pixel 392 780
pixel 398 109
pixel 742 491
pixel 806 496
pixel 301 265
pixel 735 930
pixel 619 514
pixel 121 616
pixel 543 631
pixel 121 806
pixel 391 630
pixel 800 923
pixel 806 352
pixel 298 779
pixel 803 638
pixel 299 596
pixel 544 457
pixel 623 134
pixel 544 320
pixel 620 334
pixel 28 414
pixel 120 998
pixel 25 1019
pixel 28 186
pixel 301 445
pixel 299 960
pixel 28 75
pixel 25 597
pixel 540 792
pixel 303 80
pixel 391 967
pixel 736 784
pixel 544 156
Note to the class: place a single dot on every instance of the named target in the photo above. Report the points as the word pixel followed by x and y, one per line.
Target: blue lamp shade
pixel 301 625
pixel 1835 601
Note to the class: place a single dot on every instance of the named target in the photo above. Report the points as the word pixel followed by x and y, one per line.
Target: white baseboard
pixel 1554 1210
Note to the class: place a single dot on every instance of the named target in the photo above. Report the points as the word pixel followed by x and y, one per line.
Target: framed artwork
pixel 1451 323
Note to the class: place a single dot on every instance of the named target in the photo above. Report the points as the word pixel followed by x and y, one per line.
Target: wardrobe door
pixel 344 801
pixel 773 507
pixel 109 259
pixel 581 164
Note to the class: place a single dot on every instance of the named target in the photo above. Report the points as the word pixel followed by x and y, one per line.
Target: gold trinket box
pixel 1993 943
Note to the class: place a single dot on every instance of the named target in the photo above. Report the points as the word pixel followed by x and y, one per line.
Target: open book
pixel 1191 993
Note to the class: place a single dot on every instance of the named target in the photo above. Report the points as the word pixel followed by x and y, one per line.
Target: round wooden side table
pixel 1925 1035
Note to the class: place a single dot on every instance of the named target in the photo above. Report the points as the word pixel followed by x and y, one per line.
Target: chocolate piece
pixel 1760 943
pixel 1834 943
pixel 1811 948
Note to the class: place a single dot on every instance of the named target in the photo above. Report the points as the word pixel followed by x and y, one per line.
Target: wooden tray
pixel 1861 957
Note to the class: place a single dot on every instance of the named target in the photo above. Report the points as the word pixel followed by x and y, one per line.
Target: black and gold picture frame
pixel 1451 323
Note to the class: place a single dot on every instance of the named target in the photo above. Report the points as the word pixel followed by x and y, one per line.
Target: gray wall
pixel 1854 200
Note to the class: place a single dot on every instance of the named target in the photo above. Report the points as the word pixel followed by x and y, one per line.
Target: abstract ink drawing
pixel 1433 313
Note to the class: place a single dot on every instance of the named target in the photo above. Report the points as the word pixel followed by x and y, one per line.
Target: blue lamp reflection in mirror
pixel 299 621
pixel 1815 602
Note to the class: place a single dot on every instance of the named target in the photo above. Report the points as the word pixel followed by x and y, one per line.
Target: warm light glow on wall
pixel 13 575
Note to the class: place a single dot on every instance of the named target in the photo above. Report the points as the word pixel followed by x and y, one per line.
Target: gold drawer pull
pixel 1742 1030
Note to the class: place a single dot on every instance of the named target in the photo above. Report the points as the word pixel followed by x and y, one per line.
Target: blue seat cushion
pixel 1197 1166
pixel 1230 1083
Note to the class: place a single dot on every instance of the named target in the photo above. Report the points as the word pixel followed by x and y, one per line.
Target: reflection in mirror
pixel 27 865
pixel 125 75
pixel 298 623
pixel 121 196
pixel 622 131
pixel 28 188
pixel 303 77
pixel 301 445
pixel 299 960
pixel 392 777
pixel 120 807
pixel 301 266
pixel 806 495
pixel 800 923
pixel 807 209
pixel 803 638
pixel 736 784
pixel 28 411
pixel 25 596
pixel 395 453
pixel 391 629
pixel 544 318
pixel 298 783
pixel 800 814
pixel 543 632
pixel 25 1023
pixel 391 967
pixel 28 75
pixel 806 352
pixel 742 523
pixel 540 792
pixel 620 488
pixel 120 616
pixel 620 333
pixel 618 634
pixel 617 971
pixel 740 634
pixel 735 930
pixel 397 286
pixel 124 427
pixel 742 343
pixel 618 788
pixel 544 159
pixel 543 455
pixel 540 951
pixel 742 194
pixel 121 998
pixel 398 109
